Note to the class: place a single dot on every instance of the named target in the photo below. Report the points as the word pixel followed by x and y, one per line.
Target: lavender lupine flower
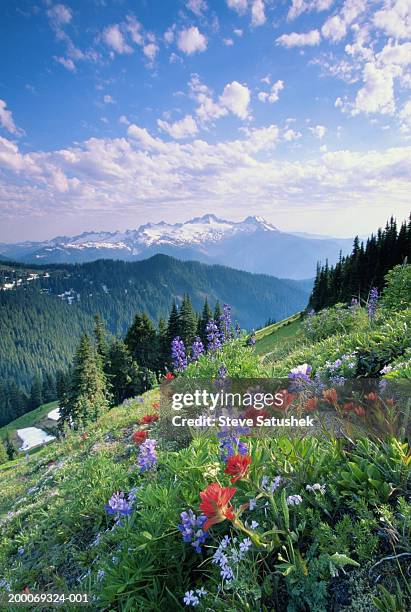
pixel 237 330
pixel 294 500
pixel 147 458
pixel 191 528
pixel 245 545
pixel 100 575
pixel 252 504
pixel 354 303
pixel 386 369
pixel 270 486
pixel 117 504
pixel 225 323
pixel 213 336
pixel 316 487
pixel 301 372
pixel 372 303
pixel 178 354
pixel 230 444
pixel 251 340
pixel 190 599
pixel 197 349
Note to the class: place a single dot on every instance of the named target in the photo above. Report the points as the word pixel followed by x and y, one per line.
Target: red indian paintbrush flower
pixel 140 436
pixel 169 376
pixel 216 504
pixel 156 405
pixel 149 418
pixel 237 466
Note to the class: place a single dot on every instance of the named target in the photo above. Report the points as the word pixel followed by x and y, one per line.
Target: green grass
pixel 34 418
pixel 287 332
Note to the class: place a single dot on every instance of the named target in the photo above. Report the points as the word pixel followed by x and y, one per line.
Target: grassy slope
pixel 283 333
pixel 34 418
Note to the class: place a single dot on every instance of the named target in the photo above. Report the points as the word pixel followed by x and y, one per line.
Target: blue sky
pixel 115 113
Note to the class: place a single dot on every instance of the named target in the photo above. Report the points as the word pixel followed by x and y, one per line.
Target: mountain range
pixel 253 245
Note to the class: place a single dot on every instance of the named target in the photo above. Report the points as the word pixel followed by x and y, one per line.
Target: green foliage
pixel 3 453
pixel 353 276
pixel 335 320
pixel 240 361
pixel 397 292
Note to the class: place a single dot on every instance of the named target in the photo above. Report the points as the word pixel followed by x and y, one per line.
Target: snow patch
pixel 54 415
pixel 33 436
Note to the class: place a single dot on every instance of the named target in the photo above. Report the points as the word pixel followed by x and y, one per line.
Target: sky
pixel 115 113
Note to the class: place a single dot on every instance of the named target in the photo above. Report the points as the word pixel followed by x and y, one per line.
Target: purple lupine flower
pixel 251 340
pixel 354 303
pixel 222 372
pixel 301 372
pixel 225 323
pixel 191 528
pixel 270 486
pixel 118 505
pixel 294 500
pixel 372 303
pixel 178 354
pixel 230 444
pixel 311 313
pixel 197 349
pixel 190 599
pixel 147 458
pixel 213 336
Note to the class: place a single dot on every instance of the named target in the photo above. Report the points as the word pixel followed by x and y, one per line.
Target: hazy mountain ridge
pixel 253 245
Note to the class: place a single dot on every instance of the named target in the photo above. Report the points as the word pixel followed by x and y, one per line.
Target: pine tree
pixel 88 391
pixel 36 398
pixel 205 317
pixel 123 372
pixel 141 341
pixel 100 336
pixel 188 322
pixel 10 448
pixel 173 327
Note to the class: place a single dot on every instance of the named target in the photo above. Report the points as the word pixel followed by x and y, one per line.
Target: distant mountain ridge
pixel 253 245
pixel 44 311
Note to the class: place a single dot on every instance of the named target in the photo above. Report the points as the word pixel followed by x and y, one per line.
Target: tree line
pixel 353 276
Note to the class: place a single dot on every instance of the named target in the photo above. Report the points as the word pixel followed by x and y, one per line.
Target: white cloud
pixel 134 28
pixel 150 50
pixel 238 32
pixel 107 99
pixel 183 128
pixel 169 34
pixel 59 15
pixel 377 93
pixel 395 54
pixel 198 7
pixel 7 121
pixel 289 135
pixel 113 37
pixel 103 176
pixel 294 39
pixel 334 28
pixel 274 94
pixel 318 131
pixel 238 5
pixel 66 62
pixel 236 98
pixel 228 42
pixel 123 119
pixel 258 13
pixel 395 18
pixel 145 139
pixel 306 6
pixel 191 40
pixel 405 117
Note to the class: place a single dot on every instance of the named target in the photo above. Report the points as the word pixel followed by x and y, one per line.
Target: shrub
pixel 397 293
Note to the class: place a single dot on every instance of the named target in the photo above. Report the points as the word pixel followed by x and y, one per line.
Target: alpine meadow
pixel 205 305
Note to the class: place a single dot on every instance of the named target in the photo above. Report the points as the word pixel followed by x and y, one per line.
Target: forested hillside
pixel 44 310
pixel 354 276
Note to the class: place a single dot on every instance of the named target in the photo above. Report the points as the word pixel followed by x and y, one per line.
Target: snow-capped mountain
pixel 252 244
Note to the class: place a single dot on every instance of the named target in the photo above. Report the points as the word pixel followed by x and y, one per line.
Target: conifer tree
pixel 3 452
pixel 173 327
pixel 123 372
pixel 88 396
pixel 205 317
pixel 141 341
pixel 188 322
pixel 36 398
